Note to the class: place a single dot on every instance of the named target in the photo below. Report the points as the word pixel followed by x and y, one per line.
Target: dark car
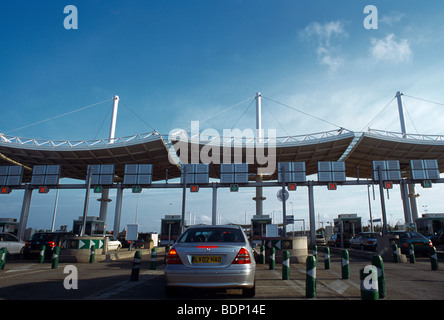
pixel 335 240
pixel 49 239
pixel 421 244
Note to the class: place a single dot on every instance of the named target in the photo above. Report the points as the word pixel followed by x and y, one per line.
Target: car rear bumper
pixel 181 276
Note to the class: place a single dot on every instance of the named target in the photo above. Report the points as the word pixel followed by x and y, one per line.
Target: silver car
pixel 211 257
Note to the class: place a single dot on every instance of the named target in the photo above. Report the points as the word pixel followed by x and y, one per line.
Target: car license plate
pixel 206 259
pixel 418 244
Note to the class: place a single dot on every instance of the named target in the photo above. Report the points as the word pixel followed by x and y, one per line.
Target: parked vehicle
pixel 12 244
pixel 421 244
pixel 320 239
pixel 49 239
pixel 211 257
pixel 113 243
pixel 364 240
pixel 335 240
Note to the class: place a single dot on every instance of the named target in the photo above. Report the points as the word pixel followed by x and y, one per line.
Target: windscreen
pixel 212 235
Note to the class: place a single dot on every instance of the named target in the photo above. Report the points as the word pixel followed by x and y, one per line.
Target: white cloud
pixel 324 34
pixel 391 49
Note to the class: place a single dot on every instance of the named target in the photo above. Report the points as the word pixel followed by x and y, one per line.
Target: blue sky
pixel 178 61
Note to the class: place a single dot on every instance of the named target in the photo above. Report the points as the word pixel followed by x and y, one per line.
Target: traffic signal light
pixel 194 188
pixel 43 189
pixel 234 187
pixel 388 185
pixel 97 189
pixel 137 189
pixel 331 186
pixel 426 184
pixel 5 190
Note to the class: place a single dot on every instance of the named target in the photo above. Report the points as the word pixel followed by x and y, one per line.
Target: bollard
pixel 395 253
pixel 42 254
pixel 310 280
pixel 272 262
pixel 92 254
pixel 412 254
pixel 379 264
pixel 262 255
pixel 153 265
pixel 285 265
pixel 315 252
pixel 3 252
pixel 327 258
pixel 136 266
pixel 345 264
pixel 434 258
pixel 55 258
pixel 369 283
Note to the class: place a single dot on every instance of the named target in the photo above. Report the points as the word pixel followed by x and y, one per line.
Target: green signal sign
pixel 137 189
pixel 234 187
pixel 97 189
pixel 426 184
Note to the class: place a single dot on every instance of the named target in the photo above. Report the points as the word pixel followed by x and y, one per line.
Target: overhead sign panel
pixel 101 174
pixel 294 171
pixel 424 169
pixel 11 175
pixel 195 173
pixel 234 173
pixel 390 170
pixel 138 174
pixel 45 175
pixel 331 171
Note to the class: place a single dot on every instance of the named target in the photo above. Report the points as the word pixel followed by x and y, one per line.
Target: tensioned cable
pixel 438 103
pixel 305 113
pixel 408 113
pixel 59 116
pixel 380 112
pixel 223 111
pixel 248 107
pixel 103 122
pixel 140 118
pixel 279 123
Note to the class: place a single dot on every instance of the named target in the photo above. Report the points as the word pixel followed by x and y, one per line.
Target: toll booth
pixel 93 226
pixel 8 225
pixel 430 223
pixel 258 227
pixel 351 223
pixel 170 229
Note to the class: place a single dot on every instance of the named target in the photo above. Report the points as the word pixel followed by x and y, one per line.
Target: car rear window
pixel 44 237
pixel 212 235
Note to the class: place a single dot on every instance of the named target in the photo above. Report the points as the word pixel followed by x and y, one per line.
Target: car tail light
pixel 51 244
pixel 405 244
pixel 243 257
pixel 173 257
pixel 206 247
pixel 430 243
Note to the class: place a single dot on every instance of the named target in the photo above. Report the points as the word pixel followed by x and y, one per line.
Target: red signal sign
pixel 388 185
pixel 292 187
pixel 194 188
pixel 5 190
pixel 43 189
pixel 332 186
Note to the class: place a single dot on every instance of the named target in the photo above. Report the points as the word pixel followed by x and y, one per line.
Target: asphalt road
pixel 29 280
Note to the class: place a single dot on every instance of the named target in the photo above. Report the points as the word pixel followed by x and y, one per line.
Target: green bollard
pixel 327 258
pixel 395 253
pixel 42 254
pixel 92 254
pixel 3 252
pixel 315 252
pixel 434 258
pixel 345 264
pixel 412 254
pixel 310 280
pixel 369 283
pixel 55 258
pixel 285 265
pixel 153 265
pixel 262 261
pixel 379 264
pixel 272 262
pixel 136 266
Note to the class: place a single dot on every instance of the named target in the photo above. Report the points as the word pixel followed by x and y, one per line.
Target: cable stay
pixel 59 116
